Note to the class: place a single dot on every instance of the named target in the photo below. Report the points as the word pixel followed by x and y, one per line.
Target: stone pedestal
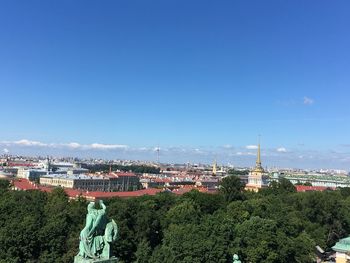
pixel 79 259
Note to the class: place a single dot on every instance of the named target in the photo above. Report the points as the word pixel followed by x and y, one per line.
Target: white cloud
pixel 281 150
pixel 227 146
pixel 251 147
pixel 6 150
pixel 73 145
pixel 100 146
pixel 308 101
pixel 25 142
pixel 143 149
pixel 199 151
pixel 245 153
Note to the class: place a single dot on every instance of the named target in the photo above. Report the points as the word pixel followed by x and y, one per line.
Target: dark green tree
pixel 231 188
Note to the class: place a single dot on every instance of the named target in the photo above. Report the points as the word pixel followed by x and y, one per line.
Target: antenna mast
pixel 158 154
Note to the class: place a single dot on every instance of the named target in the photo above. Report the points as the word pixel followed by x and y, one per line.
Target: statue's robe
pixel 91 237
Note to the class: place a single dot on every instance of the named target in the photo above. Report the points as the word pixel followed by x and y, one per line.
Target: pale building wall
pixel 22 172
pixel 64 182
pixel 341 257
pixel 122 183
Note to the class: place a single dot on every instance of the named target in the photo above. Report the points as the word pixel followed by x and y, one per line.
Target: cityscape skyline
pixel 198 79
pixel 238 156
pixel 175 131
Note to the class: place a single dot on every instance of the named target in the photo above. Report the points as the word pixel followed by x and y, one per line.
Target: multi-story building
pixel 319 180
pixel 105 182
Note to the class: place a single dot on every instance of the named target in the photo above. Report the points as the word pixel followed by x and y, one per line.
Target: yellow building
pixel 257 178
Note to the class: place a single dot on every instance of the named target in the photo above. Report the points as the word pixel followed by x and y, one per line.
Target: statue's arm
pixel 102 205
pixel 115 231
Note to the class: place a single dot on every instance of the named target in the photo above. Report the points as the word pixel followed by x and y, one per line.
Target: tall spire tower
pixel 257 178
pixel 214 167
pixel 258 167
pixel 158 149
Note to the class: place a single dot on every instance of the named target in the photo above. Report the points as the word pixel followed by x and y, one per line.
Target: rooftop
pixel 24 184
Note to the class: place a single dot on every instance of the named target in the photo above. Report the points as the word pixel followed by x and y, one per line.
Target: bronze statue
pixel 97 235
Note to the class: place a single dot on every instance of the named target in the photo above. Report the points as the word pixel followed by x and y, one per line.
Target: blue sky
pixel 198 78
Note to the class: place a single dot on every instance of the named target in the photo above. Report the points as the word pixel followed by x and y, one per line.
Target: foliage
pixel 231 188
pixel 282 186
pixel 238 172
pixel 4 184
pixel 277 225
pixel 126 168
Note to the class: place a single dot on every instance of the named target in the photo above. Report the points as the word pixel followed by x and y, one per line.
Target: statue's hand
pixel 102 205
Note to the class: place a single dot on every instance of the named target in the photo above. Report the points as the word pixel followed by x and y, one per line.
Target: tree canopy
pixel 276 225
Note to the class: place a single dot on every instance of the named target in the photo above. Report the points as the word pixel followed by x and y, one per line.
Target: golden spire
pixel 214 167
pixel 258 159
pixel 258 167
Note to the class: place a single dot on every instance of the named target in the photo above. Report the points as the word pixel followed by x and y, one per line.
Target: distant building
pixel 24 184
pixel 257 178
pixel 30 174
pixel 106 182
pixel 35 174
pixel 211 183
pixel 61 165
pixel 77 171
pixel 319 180
pixel 5 175
pixel 155 182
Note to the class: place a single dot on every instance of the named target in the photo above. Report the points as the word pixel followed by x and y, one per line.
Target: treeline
pixel 238 172
pixel 272 226
pixel 126 168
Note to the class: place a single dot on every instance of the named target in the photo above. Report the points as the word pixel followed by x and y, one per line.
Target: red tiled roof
pixel 305 188
pixel 116 174
pixel 149 191
pixel 162 180
pixel 24 184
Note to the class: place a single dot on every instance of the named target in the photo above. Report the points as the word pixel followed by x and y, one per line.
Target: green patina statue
pixel 96 237
pixel 236 259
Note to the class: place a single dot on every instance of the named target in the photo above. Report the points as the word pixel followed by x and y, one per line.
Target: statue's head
pixel 90 207
pixel 235 257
